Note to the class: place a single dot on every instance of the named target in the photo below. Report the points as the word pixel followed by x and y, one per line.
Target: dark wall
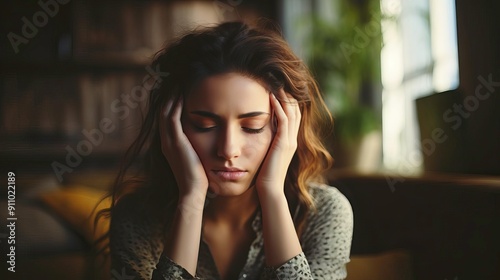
pixel 478 28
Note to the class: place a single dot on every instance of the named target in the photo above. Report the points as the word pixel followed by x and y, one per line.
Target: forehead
pixel 229 91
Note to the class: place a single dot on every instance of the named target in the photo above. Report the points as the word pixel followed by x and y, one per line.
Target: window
pixel 418 58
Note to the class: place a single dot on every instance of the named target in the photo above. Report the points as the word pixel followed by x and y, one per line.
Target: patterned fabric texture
pixel 136 245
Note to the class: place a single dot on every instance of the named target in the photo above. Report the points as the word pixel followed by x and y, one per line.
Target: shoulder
pixel 130 214
pixel 332 213
pixel 128 210
pixel 326 240
pixel 329 199
pixel 133 229
pixel 330 225
pixel 135 237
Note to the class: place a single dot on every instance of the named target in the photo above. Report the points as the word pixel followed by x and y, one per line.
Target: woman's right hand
pixel 180 154
pixel 182 241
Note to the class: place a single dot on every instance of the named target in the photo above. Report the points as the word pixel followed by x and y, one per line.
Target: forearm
pixel 280 238
pixel 182 244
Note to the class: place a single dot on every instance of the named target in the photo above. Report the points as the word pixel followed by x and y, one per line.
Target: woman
pixel 228 168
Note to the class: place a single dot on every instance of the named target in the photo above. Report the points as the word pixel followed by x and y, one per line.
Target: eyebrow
pixel 241 116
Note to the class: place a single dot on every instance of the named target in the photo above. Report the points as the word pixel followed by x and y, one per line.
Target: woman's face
pixel 227 119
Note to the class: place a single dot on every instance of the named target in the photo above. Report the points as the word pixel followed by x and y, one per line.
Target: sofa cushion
pixel 78 206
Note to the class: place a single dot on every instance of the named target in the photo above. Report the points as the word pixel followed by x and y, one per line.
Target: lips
pixel 229 174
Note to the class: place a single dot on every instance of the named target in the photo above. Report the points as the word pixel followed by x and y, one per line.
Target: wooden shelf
pixel 477 181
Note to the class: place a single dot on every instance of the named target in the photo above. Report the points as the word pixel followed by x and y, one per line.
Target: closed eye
pixel 253 130
pixel 245 129
pixel 204 129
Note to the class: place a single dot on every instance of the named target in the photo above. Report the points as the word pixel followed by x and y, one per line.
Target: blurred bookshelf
pixel 76 67
pixel 73 74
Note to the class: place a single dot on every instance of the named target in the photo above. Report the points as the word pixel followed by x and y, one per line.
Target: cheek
pixel 257 145
pixel 202 143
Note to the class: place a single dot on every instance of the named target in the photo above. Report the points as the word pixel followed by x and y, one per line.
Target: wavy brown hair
pixel 258 52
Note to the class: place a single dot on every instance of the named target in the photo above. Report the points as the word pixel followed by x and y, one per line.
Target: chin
pixel 228 188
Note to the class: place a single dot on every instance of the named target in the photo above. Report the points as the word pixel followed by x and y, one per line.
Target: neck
pixel 235 211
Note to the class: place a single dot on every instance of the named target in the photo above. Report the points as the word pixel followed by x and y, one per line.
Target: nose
pixel 228 144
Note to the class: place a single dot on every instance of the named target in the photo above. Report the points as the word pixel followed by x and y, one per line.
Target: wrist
pixel 271 196
pixel 192 195
pixel 192 202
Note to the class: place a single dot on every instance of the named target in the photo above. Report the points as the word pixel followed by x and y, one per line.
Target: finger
pixel 282 128
pixel 175 120
pixel 281 95
pixel 292 110
pixel 293 113
pixel 168 107
pixel 288 103
pixel 294 128
pixel 285 97
pixel 163 120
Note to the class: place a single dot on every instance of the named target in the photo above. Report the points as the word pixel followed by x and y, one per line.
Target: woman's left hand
pixel 272 174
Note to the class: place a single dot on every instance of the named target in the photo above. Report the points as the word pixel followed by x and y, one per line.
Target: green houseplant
pixel 344 55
